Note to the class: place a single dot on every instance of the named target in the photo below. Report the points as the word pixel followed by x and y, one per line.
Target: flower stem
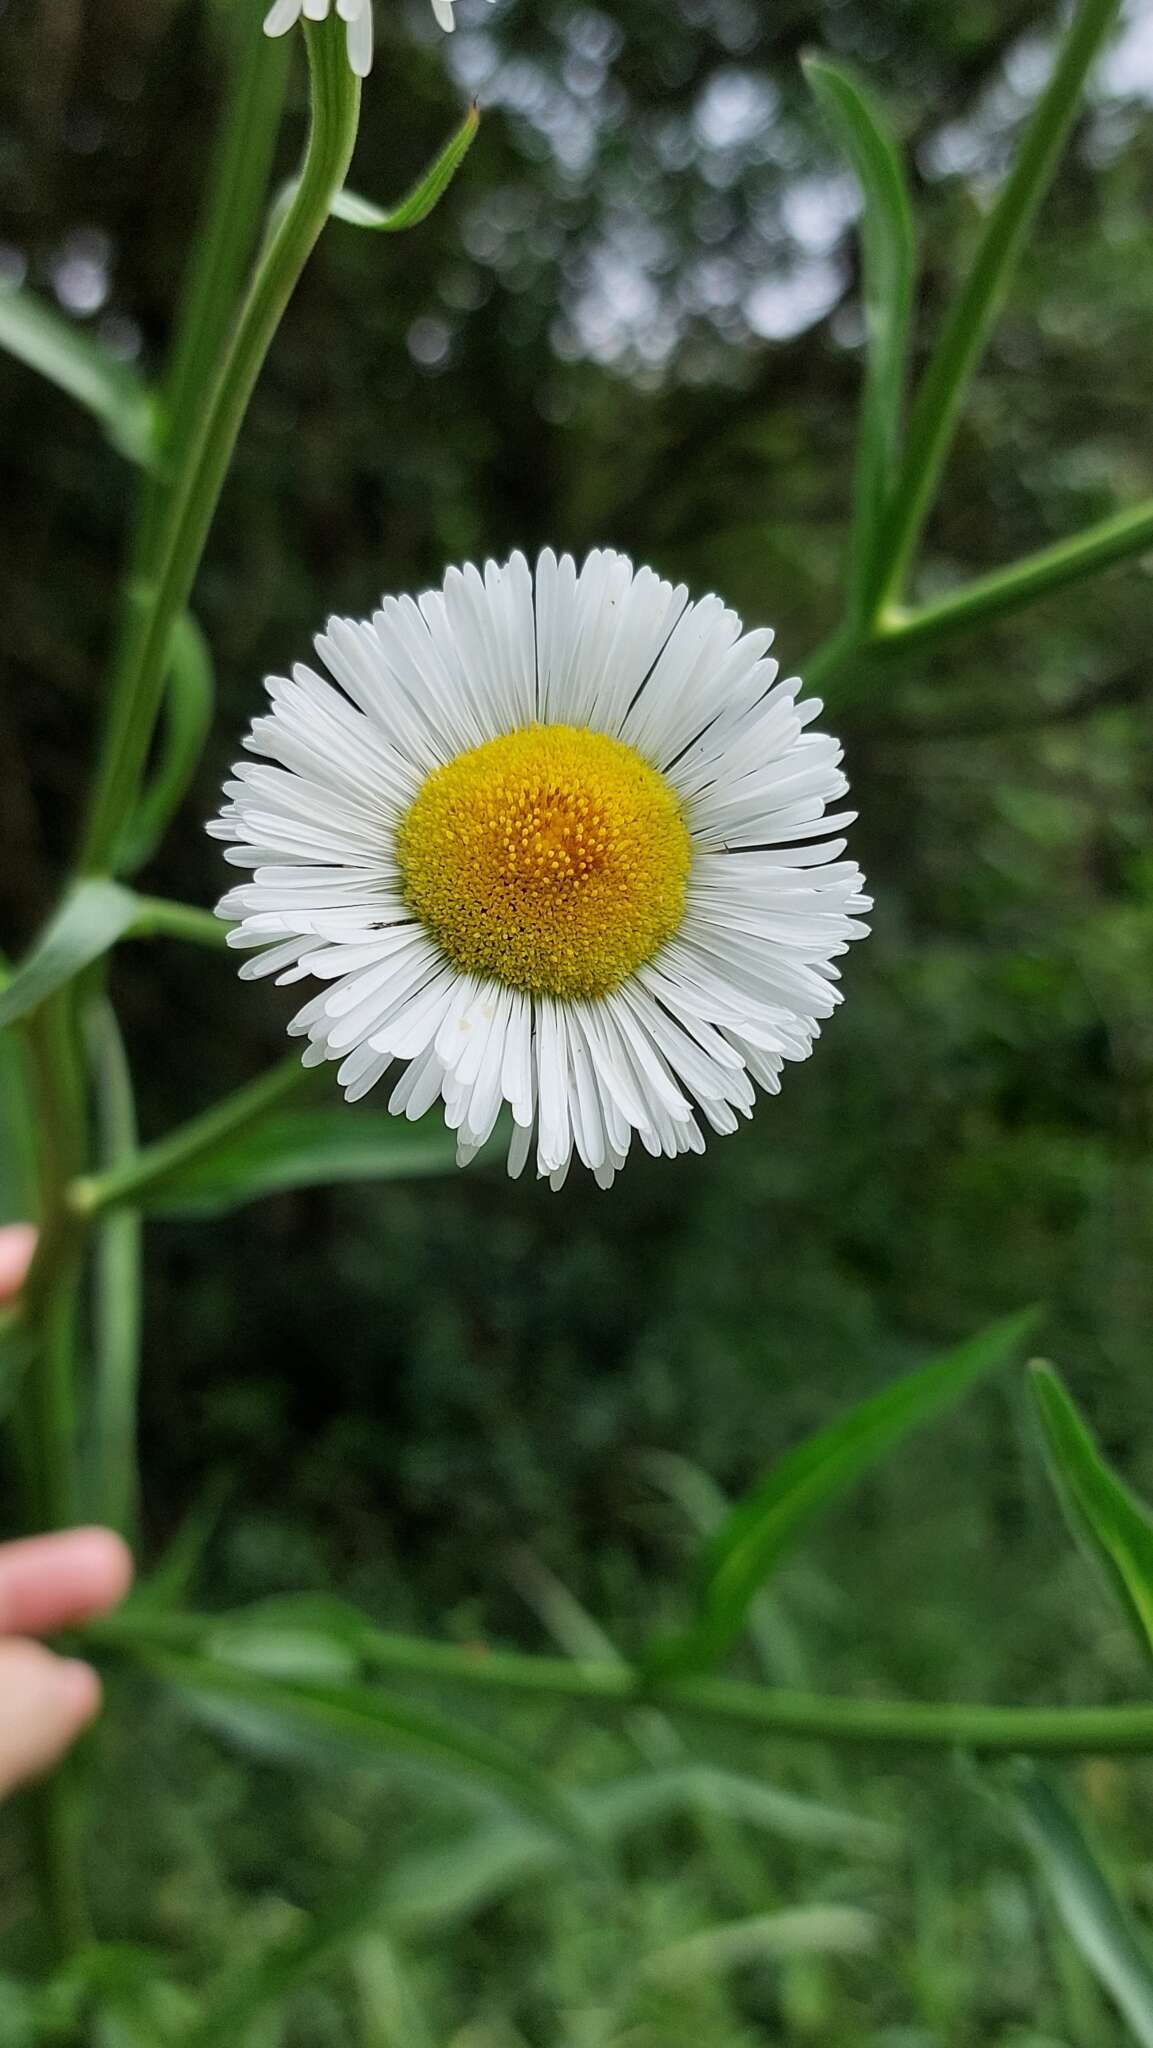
pixel 618 1688
pixel 185 519
pixel 159 918
pixel 48 1416
pixel 111 1468
pixel 194 1141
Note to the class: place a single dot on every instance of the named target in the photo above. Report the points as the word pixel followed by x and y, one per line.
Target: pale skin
pixel 47 1583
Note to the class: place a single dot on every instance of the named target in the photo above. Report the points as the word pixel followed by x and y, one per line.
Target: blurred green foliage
pixel 634 320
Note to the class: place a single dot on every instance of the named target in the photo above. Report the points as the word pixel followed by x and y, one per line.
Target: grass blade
pixel 759 1531
pixel 1112 1525
pixel 1098 1923
pixel 889 267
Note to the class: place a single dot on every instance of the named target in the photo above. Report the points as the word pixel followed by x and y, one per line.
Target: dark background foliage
pixel 634 321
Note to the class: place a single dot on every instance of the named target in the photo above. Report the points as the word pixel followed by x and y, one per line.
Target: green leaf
pixel 376 1726
pixel 1110 1522
pixel 1097 1921
pixel 188 706
pixel 89 921
pixel 425 194
pixel 70 359
pixel 791 1931
pixel 757 1533
pixel 300 1148
pixel 889 268
pixel 970 320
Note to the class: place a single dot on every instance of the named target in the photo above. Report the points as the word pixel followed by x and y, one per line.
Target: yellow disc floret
pixel 552 859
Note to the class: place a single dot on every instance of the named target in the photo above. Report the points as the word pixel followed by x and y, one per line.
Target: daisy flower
pixel 557 840
pixel 356 14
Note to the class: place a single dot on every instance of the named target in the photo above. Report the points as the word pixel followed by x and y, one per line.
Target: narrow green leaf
pixel 889 268
pixel 89 921
pixel 188 706
pixel 1110 1522
pixel 757 1533
pixel 425 194
pixel 791 1931
pixel 375 1725
pixel 300 1148
pixel 970 320
pixel 70 359
pixel 1098 1923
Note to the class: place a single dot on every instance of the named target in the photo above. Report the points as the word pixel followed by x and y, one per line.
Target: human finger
pixel 49 1582
pixel 45 1703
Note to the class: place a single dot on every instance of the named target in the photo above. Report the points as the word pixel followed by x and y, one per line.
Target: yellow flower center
pixel 552 859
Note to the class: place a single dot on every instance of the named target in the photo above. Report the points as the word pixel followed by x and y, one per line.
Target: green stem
pixel 1006 590
pixel 48 1418
pixel 618 1688
pixel 194 1141
pixel 138 684
pixel 159 918
pixel 971 318
pixel 114 1480
pixel 229 225
pixel 50 1296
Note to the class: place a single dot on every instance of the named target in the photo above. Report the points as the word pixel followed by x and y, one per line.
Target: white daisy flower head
pixel 557 839
pixel 356 14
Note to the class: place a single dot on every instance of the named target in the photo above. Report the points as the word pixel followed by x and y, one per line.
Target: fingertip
pixel 107 1564
pixel 17 1245
pixel 79 1691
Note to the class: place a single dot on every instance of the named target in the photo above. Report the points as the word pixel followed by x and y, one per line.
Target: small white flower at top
pixel 558 839
pixel 356 14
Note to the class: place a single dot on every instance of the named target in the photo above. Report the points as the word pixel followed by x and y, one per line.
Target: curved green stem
pixel 194 1141
pixel 138 684
pixel 619 1688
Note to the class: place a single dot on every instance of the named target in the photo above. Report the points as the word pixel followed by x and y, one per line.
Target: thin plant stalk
pixel 138 683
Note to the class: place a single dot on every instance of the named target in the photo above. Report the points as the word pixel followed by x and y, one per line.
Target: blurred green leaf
pixel 1097 1921
pixel 361 1720
pixel 460 1878
pixel 425 194
pixel 89 921
pixel 70 359
pixel 795 1930
pixel 1112 1525
pixel 189 699
pixel 304 1148
pixel 761 1528
pixel 889 265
